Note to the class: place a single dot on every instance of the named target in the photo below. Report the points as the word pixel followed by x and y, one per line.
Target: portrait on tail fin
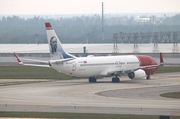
pixel 55 47
pixel 53 44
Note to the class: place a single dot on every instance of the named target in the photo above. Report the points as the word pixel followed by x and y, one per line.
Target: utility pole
pixel 155 37
pixel 86 36
pixel 115 47
pixel 175 42
pixel 155 41
pixel 36 35
pixel 136 48
pixel 102 21
pixel 26 36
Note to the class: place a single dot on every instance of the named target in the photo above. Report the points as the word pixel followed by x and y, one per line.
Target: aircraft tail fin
pixel 55 47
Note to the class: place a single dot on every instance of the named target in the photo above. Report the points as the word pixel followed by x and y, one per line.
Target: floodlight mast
pixel 102 21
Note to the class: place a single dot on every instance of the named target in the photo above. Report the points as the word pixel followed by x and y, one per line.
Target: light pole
pixel 36 35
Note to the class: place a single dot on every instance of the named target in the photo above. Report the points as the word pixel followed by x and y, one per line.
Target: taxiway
pixel 126 97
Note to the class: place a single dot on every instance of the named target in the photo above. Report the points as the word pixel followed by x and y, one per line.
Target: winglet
pixel 161 59
pixel 18 59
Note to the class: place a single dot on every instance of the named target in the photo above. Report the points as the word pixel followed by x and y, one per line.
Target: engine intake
pixel 139 74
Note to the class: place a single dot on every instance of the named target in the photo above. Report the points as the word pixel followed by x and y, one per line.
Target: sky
pixel 17 7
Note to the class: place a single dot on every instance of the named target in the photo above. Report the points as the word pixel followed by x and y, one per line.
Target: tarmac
pixel 80 96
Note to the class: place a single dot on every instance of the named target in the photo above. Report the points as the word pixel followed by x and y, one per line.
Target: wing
pixel 148 66
pixel 41 61
pixel 118 72
pixel 114 73
pixel 46 63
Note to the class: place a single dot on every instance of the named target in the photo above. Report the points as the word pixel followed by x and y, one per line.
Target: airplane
pixel 94 67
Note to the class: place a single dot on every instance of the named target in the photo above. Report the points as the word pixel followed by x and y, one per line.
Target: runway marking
pixel 40 108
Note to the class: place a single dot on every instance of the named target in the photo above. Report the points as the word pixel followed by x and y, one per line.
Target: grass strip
pixel 78 115
pixel 171 95
pixel 30 72
pixel 168 69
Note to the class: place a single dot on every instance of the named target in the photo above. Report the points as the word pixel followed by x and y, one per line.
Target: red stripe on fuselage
pixel 146 61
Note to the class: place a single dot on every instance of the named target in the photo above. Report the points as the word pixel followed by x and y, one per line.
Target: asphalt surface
pixel 126 97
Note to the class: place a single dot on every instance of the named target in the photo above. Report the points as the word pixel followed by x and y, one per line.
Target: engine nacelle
pixel 139 74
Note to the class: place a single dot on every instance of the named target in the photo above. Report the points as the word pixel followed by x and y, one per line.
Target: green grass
pixel 78 115
pixel 168 69
pixel 171 95
pixel 29 72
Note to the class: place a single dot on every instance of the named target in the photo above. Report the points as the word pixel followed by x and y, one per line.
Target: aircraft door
pixel 73 66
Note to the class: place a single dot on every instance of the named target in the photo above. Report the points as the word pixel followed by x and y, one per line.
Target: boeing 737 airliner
pixel 135 66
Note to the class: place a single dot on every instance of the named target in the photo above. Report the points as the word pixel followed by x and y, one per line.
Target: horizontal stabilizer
pixel 60 60
pixel 21 63
pixel 36 65
pixel 33 60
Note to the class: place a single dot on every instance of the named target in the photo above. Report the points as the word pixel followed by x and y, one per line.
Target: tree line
pixel 79 29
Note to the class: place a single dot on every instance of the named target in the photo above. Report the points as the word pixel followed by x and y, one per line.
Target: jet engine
pixel 139 74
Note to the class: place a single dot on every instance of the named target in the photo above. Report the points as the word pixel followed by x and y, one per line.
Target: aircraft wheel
pixel 148 76
pixel 92 79
pixel 115 80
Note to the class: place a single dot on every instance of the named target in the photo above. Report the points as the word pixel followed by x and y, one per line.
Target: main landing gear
pixel 115 80
pixel 92 79
pixel 148 76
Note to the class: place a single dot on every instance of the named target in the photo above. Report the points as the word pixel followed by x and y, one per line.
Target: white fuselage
pixel 97 66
